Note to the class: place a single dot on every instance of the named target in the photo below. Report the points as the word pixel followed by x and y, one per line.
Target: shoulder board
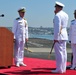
pixel 72 20
pixel 17 18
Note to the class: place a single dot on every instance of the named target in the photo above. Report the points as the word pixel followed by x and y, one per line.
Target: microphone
pixel 2 15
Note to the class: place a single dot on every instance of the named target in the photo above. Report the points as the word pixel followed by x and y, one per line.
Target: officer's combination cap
pixel 59 4
pixel 22 9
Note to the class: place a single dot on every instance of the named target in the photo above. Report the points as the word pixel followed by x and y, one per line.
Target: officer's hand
pixel 26 39
pixel 14 40
pixel 56 41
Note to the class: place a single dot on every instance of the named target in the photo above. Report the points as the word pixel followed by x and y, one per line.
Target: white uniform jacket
pixel 20 29
pixel 60 25
pixel 72 32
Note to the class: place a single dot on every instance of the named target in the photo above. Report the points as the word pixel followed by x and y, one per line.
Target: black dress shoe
pixel 2 74
pixel 68 67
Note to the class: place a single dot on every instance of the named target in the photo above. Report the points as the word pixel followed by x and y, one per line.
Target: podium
pixel 6 47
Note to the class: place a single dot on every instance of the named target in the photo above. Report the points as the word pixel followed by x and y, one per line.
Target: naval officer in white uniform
pixel 60 38
pixel 72 38
pixel 20 30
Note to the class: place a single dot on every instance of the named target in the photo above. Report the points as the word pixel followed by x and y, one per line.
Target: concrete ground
pixel 43 53
pixel 41 48
pixel 45 50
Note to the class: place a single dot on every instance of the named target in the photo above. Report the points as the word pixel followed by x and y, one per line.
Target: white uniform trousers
pixel 61 55
pixel 19 51
pixel 73 46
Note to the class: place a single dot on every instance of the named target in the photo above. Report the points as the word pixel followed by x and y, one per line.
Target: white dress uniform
pixel 72 38
pixel 60 34
pixel 20 30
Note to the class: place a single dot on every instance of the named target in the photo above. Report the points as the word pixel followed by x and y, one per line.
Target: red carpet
pixel 35 67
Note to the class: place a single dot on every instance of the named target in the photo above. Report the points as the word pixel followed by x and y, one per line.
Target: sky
pixel 38 12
